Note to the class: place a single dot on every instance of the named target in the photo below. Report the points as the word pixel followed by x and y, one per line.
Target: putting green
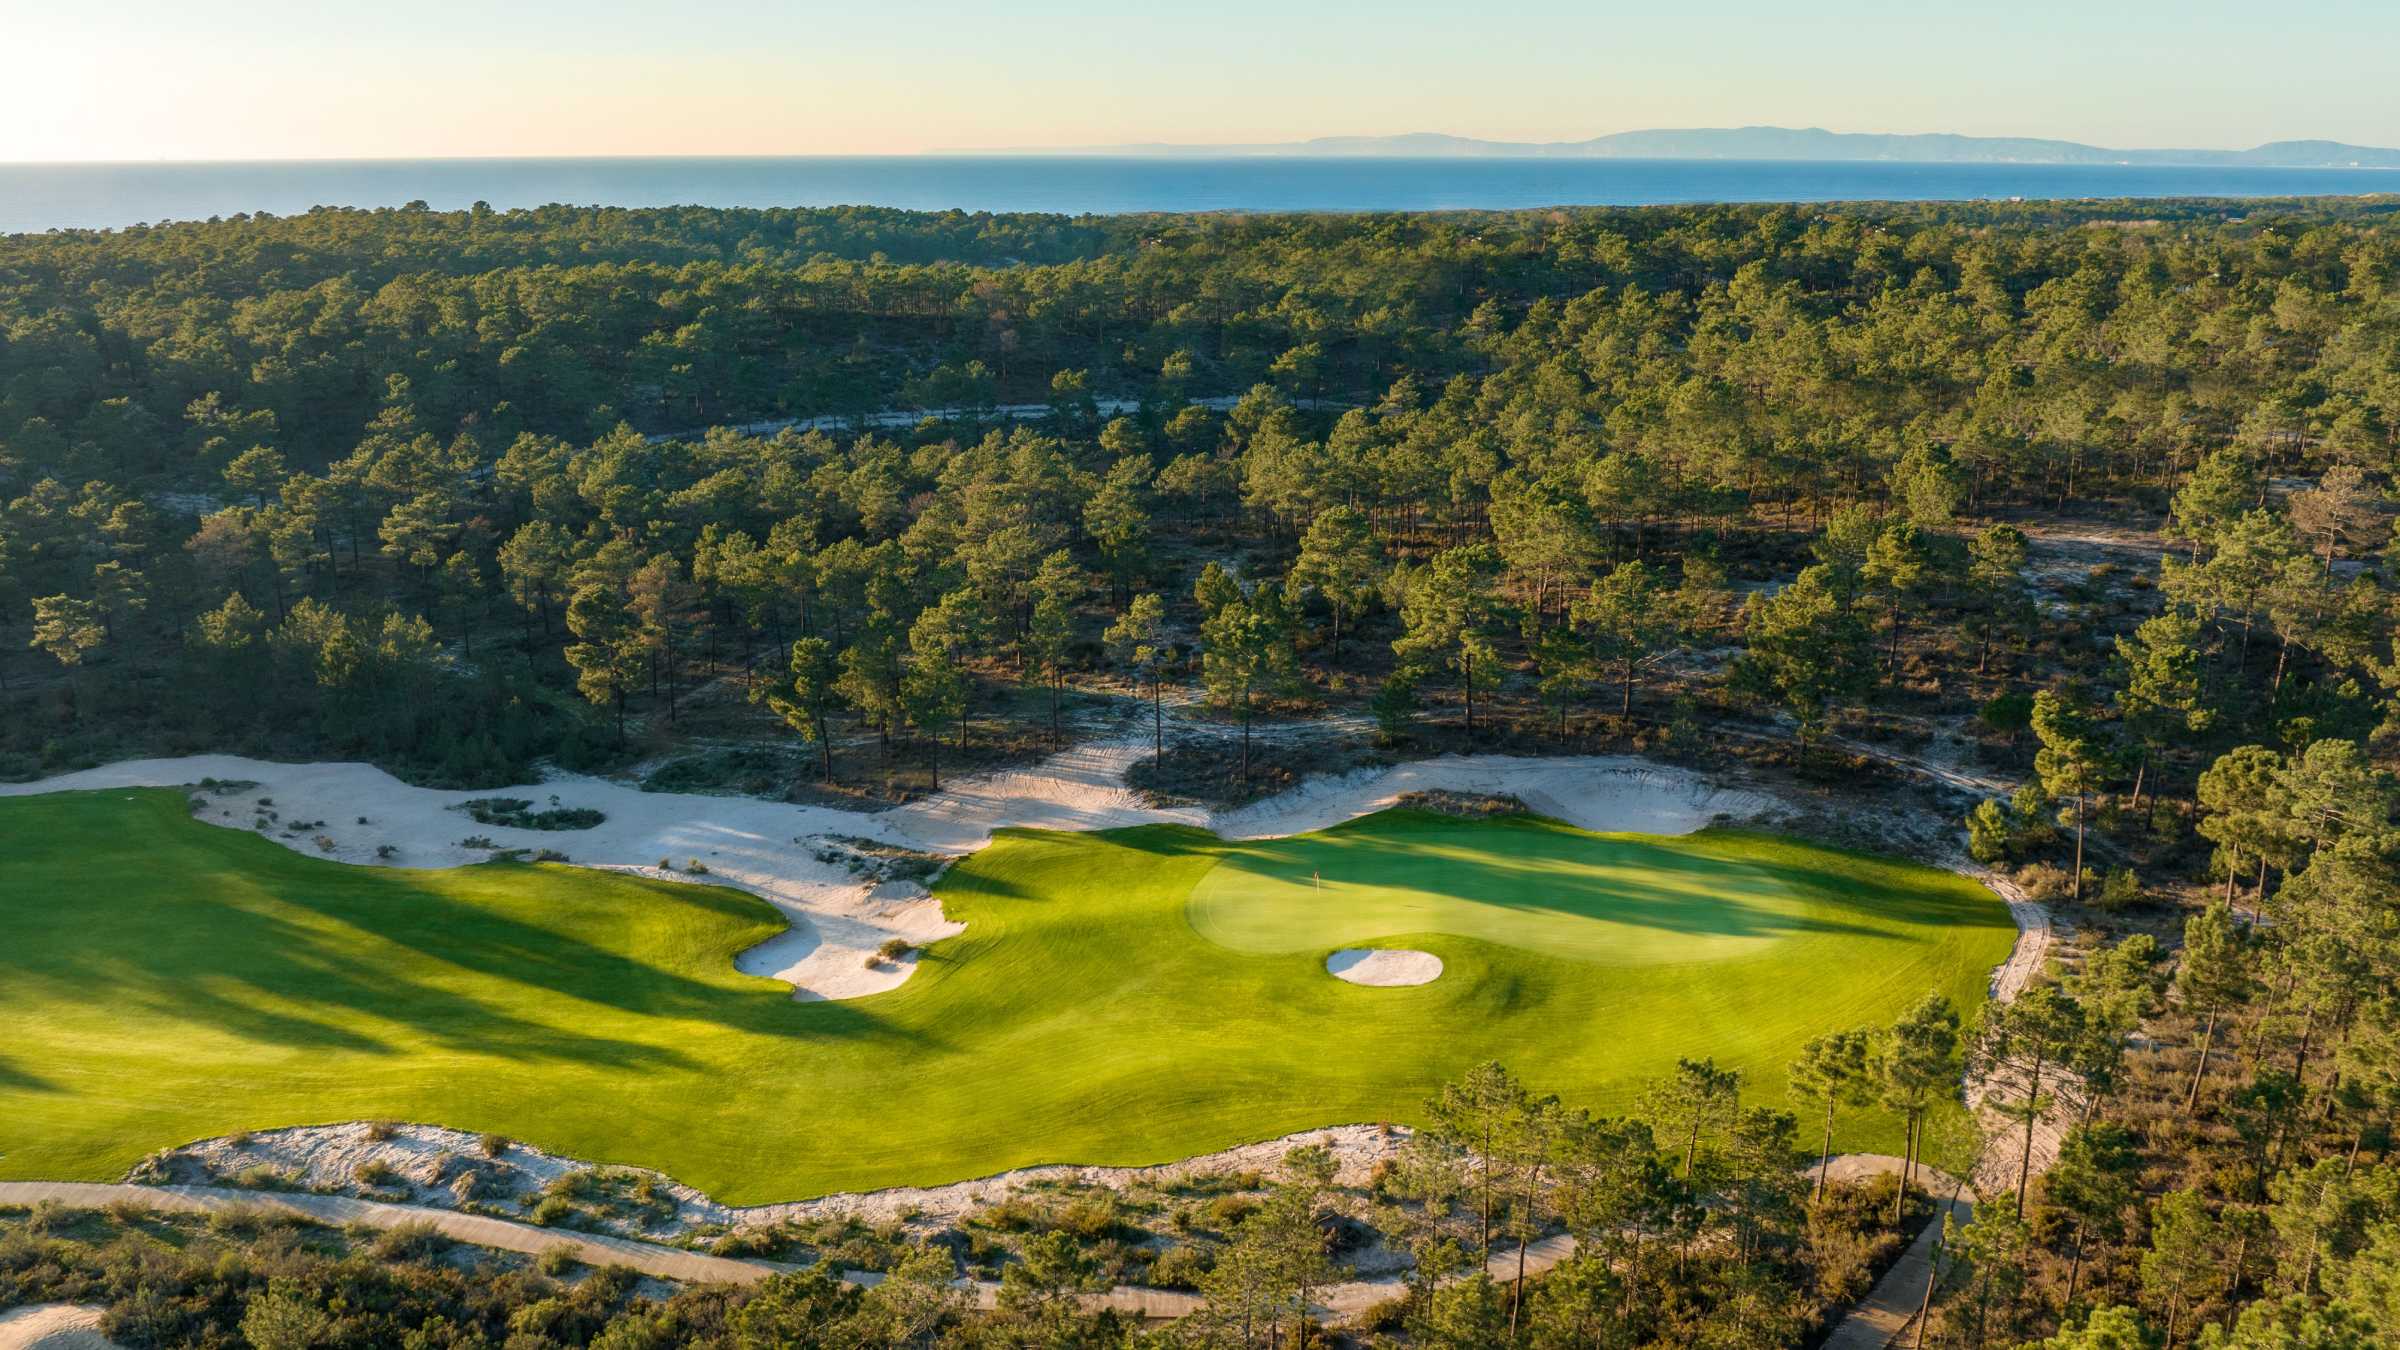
pixel 1618 900
pixel 162 980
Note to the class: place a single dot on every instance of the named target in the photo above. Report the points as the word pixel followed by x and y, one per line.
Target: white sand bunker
pixel 840 920
pixel 1384 967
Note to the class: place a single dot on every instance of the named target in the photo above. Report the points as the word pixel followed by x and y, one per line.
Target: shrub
pixel 2033 821
pixel 493 1145
pixel 518 813
pixel 324 843
pixel 2120 890
pixel 1182 1266
pixel 556 1261
pixel 375 1172
pixel 379 1131
pixel 2044 882
pixel 239 1219
pixel 696 867
pixel 1394 704
pixel 552 1211
pixel 386 852
pixel 1090 1218
pixel 1226 1212
pixel 477 841
pixel 2009 714
pixel 893 949
pixel 264 1177
pixel 1012 1215
pixel 409 1241
pixel 1989 832
pixel 466 1186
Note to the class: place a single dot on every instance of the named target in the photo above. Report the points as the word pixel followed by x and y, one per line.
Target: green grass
pixel 163 980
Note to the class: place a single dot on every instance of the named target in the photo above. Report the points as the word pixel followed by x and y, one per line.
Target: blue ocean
pixel 83 196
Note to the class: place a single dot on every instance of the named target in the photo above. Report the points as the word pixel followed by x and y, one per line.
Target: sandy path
pixel 53 1326
pixel 667 1263
pixel 1890 1308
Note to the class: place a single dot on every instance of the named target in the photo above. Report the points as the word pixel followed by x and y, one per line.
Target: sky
pixel 279 79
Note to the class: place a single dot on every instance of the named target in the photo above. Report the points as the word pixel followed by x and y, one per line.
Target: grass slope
pixel 163 980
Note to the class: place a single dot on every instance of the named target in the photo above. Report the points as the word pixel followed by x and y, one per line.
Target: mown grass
pixel 163 980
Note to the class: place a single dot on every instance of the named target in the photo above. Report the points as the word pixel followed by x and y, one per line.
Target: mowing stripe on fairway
pixel 163 980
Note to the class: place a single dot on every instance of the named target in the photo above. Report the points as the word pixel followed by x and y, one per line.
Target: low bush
pixel 1226 1212
pixel 517 813
pixel 2044 882
pixel 2120 890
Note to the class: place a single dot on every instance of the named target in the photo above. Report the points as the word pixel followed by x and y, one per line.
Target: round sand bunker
pixel 1383 967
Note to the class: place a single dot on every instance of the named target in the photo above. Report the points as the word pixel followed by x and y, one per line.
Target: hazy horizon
pixel 149 81
pixel 1127 149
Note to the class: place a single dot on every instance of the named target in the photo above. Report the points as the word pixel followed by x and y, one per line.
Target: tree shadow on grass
pixel 1640 885
pixel 18 1079
pixel 297 953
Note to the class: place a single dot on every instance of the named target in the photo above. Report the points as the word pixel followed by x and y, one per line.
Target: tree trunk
pixel 2207 1034
pixel 2074 1273
pixel 2033 1097
pixel 1825 1156
pixel 2079 822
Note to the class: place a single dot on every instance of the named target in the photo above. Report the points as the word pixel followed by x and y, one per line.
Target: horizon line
pixel 1132 149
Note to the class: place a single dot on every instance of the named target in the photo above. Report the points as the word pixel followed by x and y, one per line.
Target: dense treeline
pixel 389 447
pixel 410 486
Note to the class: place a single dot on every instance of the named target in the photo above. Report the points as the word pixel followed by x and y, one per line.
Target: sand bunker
pixel 357 813
pixel 1384 967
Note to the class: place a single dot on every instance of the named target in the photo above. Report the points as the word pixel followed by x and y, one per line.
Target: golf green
pixel 1127 997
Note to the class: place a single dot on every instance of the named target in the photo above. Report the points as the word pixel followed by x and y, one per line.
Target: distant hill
pixel 1807 143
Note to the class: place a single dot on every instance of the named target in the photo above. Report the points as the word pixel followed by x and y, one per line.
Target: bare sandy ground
pixel 53 1326
pixel 418 1163
pixel 1384 967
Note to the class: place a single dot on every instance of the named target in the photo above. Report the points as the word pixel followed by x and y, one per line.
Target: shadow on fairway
pixel 359 959
pixel 1634 883
pixel 14 1077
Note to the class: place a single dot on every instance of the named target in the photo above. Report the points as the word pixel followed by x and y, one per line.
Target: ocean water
pixel 68 196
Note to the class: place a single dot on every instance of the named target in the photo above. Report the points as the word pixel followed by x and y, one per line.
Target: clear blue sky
pixel 207 79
